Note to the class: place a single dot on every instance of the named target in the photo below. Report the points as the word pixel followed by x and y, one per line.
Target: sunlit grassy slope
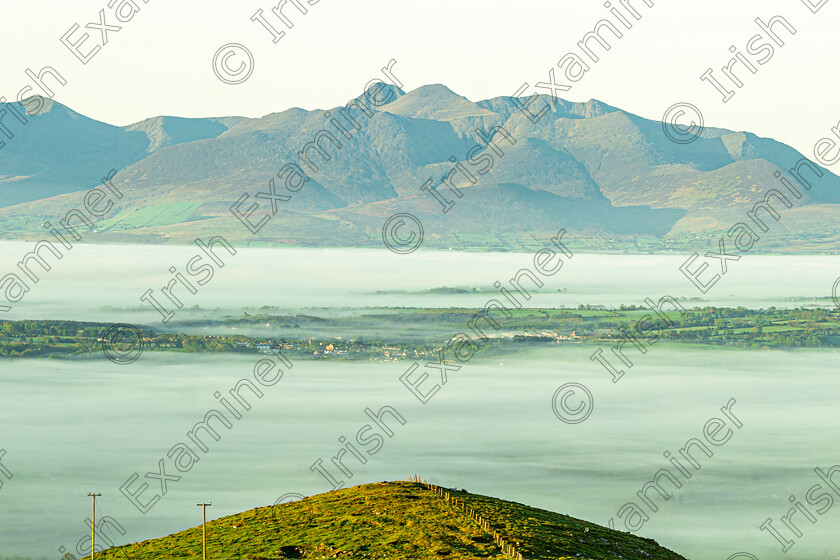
pixel 394 520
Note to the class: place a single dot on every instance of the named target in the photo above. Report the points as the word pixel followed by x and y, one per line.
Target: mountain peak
pixel 166 131
pixel 436 91
pixel 438 102
pixel 45 106
pixel 596 108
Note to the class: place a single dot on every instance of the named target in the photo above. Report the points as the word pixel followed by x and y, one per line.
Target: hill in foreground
pixel 398 520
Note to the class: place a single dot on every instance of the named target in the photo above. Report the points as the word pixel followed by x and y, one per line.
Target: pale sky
pixel 160 62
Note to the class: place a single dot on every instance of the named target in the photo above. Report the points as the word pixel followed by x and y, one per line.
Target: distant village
pixel 394 352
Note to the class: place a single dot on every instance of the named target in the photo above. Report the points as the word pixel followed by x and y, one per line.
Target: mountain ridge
pixel 608 173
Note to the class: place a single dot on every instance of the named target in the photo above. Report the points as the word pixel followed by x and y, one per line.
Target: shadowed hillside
pixel 57 150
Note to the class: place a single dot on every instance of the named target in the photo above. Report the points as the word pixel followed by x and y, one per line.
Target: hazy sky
pixel 160 62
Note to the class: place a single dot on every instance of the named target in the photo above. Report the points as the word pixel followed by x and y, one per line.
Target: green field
pixel 149 216
pixel 395 520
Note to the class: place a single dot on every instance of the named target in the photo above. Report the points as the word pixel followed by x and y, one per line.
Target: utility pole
pixel 204 530
pixel 93 522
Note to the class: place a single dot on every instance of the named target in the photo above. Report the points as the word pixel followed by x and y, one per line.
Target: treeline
pixel 414 333
pixel 44 338
pixel 750 328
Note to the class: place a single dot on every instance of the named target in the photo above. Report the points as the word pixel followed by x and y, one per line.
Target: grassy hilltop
pixel 396 520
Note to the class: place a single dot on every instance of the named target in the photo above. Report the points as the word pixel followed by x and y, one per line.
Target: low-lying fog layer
pixel 71 427
pixel 74 427
pixel 91 278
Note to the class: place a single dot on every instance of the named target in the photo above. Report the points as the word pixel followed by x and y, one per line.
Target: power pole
pixel 204 530
pixel 93 522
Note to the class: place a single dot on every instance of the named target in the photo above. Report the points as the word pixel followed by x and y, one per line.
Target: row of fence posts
pixel 506 547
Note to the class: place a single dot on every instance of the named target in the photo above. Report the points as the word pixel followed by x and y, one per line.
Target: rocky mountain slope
pixel 612 178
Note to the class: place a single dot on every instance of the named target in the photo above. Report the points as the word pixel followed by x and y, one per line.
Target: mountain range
pixel 612 179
